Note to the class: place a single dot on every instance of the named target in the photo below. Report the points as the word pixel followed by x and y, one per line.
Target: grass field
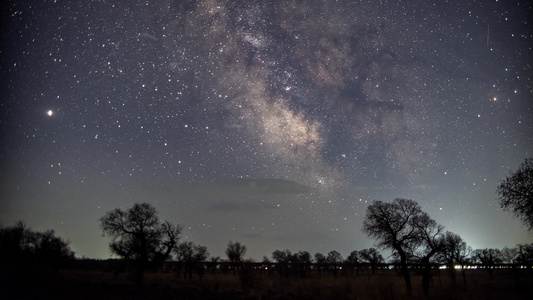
pixel 385 284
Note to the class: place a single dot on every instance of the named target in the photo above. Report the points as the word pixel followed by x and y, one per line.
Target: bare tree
pixel 431 238
pixel 334 260
pixel 266 264
pixel 304 261
pixel 353 260
pixel 138 235
pixel 525 254
pixel 192 256
pixel 373 257
pixel 183 252
pixel 518 257
pixel 454 251
pixel 509 255
pixel 393 225
pixel 21 248
pixel 488 258
pixel 320 260
pixel 213 262
pixel 235 253
pixel 283 259
pixel 281 256
pixel 516 193
pixel 334 257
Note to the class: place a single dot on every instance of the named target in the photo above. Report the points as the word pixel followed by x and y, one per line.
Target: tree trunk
pixel 451 271
pixel 405 273
pixel 407 279
pixel 139 273
pixel 426 271
pixel 426 276
pixel 489 270
pixel 463 273
pixel 141 263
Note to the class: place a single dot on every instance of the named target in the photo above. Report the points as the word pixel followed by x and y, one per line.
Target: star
pixel 242 115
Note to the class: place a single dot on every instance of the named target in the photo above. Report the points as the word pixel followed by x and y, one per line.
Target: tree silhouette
pixel 393 225
pixel 516 193
pixel 283 259
pixel 488 258
pixel 509 255
pixel 138 235
pixel 454 251
pixel 20 247
pixel 281 256
pixel 304 260
pixel 213 262
pixel 320 260
pixel 372 256
pixel 235 253
pixel 334 259
pixel 192 256
pixel 266 264
pixel 431 242
pixel 525 254
pixel 353 260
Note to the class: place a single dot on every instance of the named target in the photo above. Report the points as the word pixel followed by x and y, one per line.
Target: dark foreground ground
pixel 386 284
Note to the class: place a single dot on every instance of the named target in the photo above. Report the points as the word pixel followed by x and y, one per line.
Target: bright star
pixel 50 112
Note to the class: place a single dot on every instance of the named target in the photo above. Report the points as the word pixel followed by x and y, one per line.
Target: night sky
pixel 272 123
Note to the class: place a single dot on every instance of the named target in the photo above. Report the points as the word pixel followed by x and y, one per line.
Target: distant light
pixel 50 112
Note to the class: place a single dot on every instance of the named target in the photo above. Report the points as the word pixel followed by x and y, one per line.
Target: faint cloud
pixel 237 206
pixel 243 187
pixel 265 186
pixel 226 206
pixel 252 235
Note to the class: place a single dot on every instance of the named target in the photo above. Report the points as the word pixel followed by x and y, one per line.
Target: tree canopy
pixel 19 244
pixel 138 235
pixel 403 227
pixel 191 255
pixel 516 193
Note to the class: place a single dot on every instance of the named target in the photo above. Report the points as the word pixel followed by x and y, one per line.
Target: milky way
pixel 274 123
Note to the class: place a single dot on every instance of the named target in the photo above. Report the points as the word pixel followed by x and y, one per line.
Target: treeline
pixel 195 260
pixel 416 241
pixel 146 243
pixel 285 263
pixel 30 255
pixel 22 246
